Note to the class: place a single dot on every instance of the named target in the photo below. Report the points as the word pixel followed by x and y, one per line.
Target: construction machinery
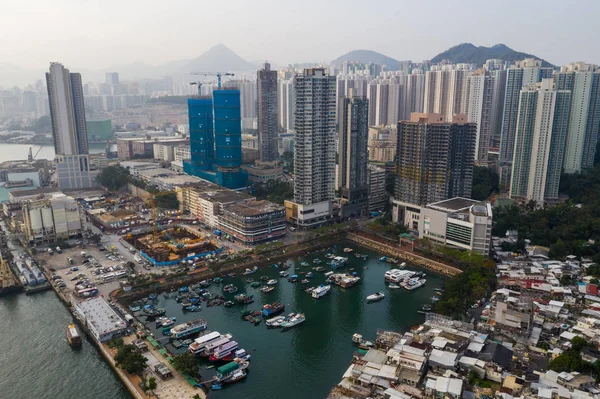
pixel 217 74
pixel 199 87
pixel 151 198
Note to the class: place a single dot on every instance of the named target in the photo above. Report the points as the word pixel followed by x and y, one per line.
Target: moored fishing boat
pixel 154 312
pixel 344 280
pixel 338 261
pixel 272 309
pixel 267 289
pixel 230 288
pixel 250 271
pixel 235 377
pixel 73 336
pixel 361 342
pixel 243 298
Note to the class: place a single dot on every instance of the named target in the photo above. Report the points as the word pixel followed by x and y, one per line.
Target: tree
pixel 152 383
pixel 186 363
pixel 113 177
pixel 130 359
pixel 274 191
pixel 570 360
pixel 485 183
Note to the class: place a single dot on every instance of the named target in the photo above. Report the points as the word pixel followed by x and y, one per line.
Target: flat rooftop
pixel 24 165
pixel 225 196
pixel 139 164
pixel 35 191
pixel 157 172
pixel 254 208
pixel 457 204
pixel 99 313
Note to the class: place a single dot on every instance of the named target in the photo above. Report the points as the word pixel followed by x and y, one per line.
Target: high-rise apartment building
pixel 267 114
pixel 412 94
pixel 285 103
pixel 541 131
pixel 216 139
pixel 314 148
pixel 435 158
pixel 67 114
pixel 446 90
pixel 480 89
pixel 519 75
pixel 583 80
pixel 353 138
pixel 378 196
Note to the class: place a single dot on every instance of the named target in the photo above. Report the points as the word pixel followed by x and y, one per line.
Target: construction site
pixel 173 244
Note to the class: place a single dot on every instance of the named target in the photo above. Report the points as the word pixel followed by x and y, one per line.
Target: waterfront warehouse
pixel 100 319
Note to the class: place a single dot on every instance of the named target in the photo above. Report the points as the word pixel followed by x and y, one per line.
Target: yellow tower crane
pixel 151 198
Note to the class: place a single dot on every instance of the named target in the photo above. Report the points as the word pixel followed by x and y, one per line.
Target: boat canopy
pixel 228 368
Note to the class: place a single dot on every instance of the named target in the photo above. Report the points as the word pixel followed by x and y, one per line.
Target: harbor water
pixel 37 361
pixel 306 361
pixel 16 152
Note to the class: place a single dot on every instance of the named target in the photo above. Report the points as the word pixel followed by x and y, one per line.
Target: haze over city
pixel 101 34
pixel 386 199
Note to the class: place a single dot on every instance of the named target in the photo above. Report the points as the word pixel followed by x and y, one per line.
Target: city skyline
pixel 105 47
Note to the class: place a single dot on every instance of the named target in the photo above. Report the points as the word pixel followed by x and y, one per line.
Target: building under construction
pixel 434 158
pixel 172 244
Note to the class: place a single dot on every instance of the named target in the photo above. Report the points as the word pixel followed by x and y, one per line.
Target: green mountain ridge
pixel 469 53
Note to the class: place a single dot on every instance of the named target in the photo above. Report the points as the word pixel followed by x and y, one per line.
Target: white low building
pixel 100 319
pixel 458 222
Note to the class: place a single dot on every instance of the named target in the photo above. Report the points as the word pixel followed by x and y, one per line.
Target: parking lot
pixel 78 270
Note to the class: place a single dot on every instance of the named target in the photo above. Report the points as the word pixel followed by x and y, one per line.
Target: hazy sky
pixel 96 34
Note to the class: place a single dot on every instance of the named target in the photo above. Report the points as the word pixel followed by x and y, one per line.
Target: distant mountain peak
pixel 469 53
pixel 218 58
pixel 366 56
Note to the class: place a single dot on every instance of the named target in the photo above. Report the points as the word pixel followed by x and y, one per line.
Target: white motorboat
pixel 320 291
pixel 376 297
pixel 393 286
pixel 294 321
pixel 272 282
